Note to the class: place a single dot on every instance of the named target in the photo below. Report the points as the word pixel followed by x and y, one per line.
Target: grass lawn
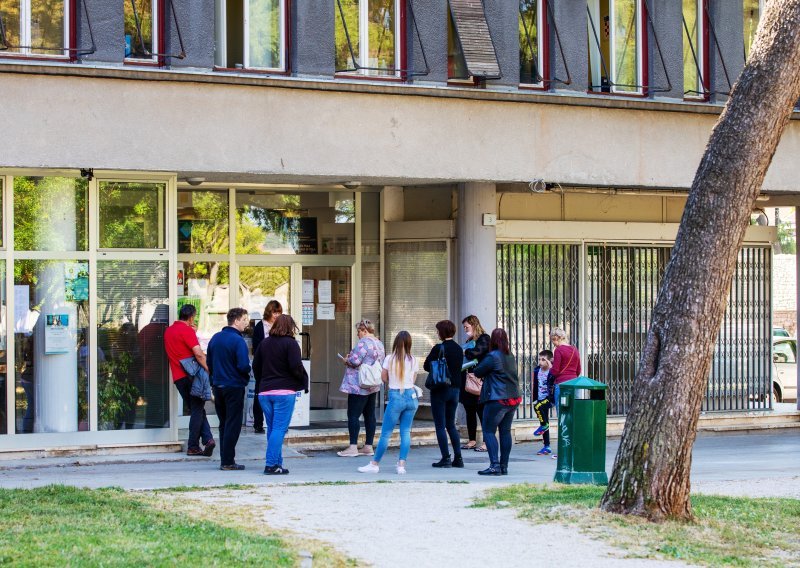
pixel 729 531
pixel 65 526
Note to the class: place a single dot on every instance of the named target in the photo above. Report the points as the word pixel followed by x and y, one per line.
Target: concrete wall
pixel 198 27
pixel 312 38
pixel 728 22
pixel 571 20
pixel 667 16
pixel 108 30
pixel 502 17
pixel 431 17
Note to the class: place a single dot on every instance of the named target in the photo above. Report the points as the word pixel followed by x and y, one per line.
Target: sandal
pixel 480 449
pixel 470 446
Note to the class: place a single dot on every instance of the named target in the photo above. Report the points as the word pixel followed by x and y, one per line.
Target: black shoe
pixel 458 461
pixel 490 471
pixel 258 430
pixel 444 462
pixel 194 452
pixel 208 451
pixel 232 467
pixel 504 470
pixel 275 470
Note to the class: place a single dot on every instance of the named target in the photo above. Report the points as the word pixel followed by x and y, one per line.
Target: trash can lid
pixel 583 383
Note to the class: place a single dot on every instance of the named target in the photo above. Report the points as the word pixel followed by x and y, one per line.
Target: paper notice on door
pixel 324 292
pixel 308 314
pixel 326 311
pixel 308 292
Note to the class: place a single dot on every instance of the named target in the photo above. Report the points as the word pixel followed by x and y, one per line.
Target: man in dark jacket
pixel 229 364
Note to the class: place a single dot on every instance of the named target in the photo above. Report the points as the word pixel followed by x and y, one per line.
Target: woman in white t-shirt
pixel 399 372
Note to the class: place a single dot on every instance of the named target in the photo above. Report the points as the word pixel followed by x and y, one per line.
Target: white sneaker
pixel 369 468
pixel 401 469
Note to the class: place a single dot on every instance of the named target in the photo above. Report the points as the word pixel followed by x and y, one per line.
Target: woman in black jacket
pixel 475 349
pixel 444 400
pixel 271 312
pixel 278 365
pixel 500 397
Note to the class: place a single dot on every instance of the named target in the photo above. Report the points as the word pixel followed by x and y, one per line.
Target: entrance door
pixel 319 298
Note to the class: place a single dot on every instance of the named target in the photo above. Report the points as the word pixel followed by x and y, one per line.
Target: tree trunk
pixel 651 470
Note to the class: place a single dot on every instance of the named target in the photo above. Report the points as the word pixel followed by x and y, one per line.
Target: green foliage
pixel 265 36
pixel 116 396
pixel 65 526
pixel 786 238
pixel 728 531
pixel 47 210
pixel 129 214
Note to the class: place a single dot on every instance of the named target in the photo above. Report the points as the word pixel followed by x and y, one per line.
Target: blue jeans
pixel 401 408
pixel 278 410
pixel 496 417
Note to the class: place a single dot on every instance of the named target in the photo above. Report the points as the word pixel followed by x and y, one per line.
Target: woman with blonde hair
pixel 475 348
pixel 566 360
pixel 361 401
pixel 399 373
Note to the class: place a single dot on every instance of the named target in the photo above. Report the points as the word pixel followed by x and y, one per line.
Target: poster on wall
pixel 76 281
pixel 324 292
pixel 326 311
pixel 308 313
pixel 308 291
pixel 56 334
pixel 22 297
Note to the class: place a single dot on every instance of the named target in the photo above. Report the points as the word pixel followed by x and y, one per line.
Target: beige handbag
pixel 473 385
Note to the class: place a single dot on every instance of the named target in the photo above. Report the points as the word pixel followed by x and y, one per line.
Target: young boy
pixel 543 387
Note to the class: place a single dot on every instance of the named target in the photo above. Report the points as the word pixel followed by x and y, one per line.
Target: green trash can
pixel 582 432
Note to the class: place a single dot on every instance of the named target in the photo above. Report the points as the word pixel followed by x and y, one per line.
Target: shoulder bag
pixel 473 384
pixel 439 377
pixel 369 375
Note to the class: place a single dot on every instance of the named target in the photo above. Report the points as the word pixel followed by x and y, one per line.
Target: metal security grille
pixel 537 289
pixel 622 285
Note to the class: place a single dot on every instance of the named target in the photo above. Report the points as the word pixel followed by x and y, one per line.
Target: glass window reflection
pixel 50 213
pixel 202 221
pixel 131 215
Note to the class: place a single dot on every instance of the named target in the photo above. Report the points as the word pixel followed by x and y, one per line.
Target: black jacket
pixel 480 350
pixel 454 357
pixel 551 381
pixel 278 365
pixel 499 374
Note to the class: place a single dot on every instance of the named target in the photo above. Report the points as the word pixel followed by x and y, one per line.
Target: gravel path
pixel 422 524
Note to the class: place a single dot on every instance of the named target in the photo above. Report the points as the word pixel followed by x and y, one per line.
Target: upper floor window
pixel 695 49
pixel 752 15
pixel 532 42
pixel 251 34
pixel 142 29
pixel 617 44
pixel 36 27
pixel 368 36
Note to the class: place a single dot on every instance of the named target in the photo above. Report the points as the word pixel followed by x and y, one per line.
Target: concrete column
pixel 393 203
pixel 572 21
pixel 797 286
pixel 476 253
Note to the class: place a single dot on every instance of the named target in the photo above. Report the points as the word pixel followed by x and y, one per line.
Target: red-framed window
pixel 252 35
pixel 370 38
pixel 144 31
pixel 38 29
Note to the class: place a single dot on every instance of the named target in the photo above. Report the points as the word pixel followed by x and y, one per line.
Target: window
pixel 202 221
pixel 131 215
pixel 456 63
pixel 532 42
pixel 471 53
pixel 36 27
pixel 142 29
pixel 251 34
pixel 752 15
pixel 368 36
pixel 617 44
pixel 695 49
pixel 50 213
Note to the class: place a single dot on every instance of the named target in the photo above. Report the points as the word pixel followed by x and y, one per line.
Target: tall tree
pixel 651 470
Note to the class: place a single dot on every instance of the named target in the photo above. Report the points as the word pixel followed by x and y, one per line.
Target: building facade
pixel 404 161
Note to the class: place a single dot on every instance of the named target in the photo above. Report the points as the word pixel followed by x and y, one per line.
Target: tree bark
pixel 650 477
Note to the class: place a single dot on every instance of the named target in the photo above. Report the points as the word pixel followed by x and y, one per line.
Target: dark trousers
pixel 444 403
pixel 496 417
pixel 198 423
pixel 542 410
pixel 474 412
pixel 229 402
pixel 258 412
pixel 361 405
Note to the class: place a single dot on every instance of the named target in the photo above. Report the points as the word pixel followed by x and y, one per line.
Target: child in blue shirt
pixel 543 387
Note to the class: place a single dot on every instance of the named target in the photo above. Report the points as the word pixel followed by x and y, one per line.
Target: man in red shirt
pixel 180 342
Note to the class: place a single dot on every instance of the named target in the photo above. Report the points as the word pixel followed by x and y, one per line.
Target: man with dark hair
pixel 180 343
pixel 229 363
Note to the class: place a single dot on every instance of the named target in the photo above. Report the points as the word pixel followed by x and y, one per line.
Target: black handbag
pixel 439 377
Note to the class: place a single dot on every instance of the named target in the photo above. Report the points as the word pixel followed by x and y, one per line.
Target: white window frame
pixel 700 52
pixel 155 40
pixel 222 36
pixel 540 23
pixel 363 39
pixel 25 36
pixel 594 6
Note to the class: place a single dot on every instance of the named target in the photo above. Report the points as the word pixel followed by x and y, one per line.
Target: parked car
pixel 784 369
pixel 779 332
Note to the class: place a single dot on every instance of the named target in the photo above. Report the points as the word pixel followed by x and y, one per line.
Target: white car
pixel 784 369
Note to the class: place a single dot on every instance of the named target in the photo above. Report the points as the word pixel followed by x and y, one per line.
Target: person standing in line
pixel 260 331
pixel 181 344
pixel 566 360
pixel 444 400
pixel 475 349
pixel 229 364
pixel 279 366
pixel 399 372
pixel 543 388
pixel 367 351
pixel 500 397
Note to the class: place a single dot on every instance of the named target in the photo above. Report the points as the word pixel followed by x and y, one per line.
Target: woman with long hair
pixel 361 401
pixel 500 397
pixel 475 348
pixel 260 331
pixel 282 375
pixel 399 373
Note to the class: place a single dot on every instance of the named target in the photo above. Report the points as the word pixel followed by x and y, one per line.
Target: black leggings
pixel 542 410
pixel 358 405
pixel 474 413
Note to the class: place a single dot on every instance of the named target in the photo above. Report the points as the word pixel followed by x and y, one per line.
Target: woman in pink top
pixel 566 360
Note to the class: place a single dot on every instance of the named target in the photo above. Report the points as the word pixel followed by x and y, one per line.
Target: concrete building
pixel 404 161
